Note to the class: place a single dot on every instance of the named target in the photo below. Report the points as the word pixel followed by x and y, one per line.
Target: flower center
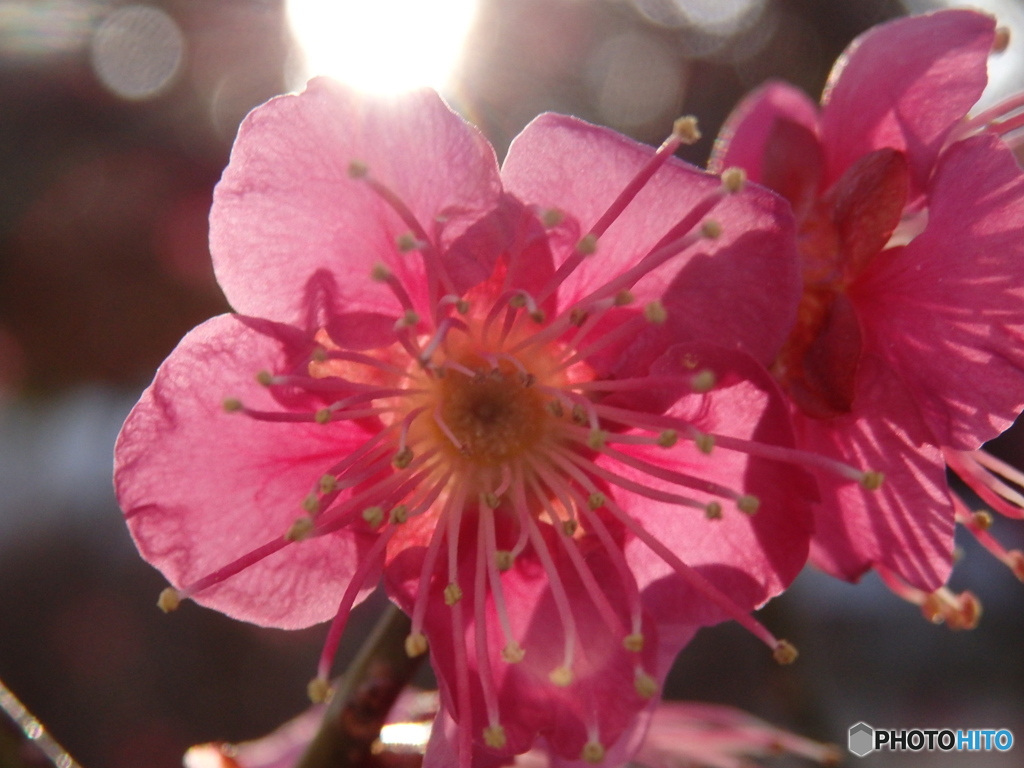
pixel 494 415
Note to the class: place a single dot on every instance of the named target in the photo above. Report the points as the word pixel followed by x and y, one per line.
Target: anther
pixel 685 129
pixel 503 560
pixel 319 355
pixel 596 500
pixel 380 273
pixel 265 378
pixel 494 737
pixel 322 416
pixel 399 514
pixel 872 481
pixel 711 229
pixel 462 306
pixel 527 380
pixel 633 642
pixel 538 316
pixel 703 381
pixel 551 218
pixel 408 320
pixel 415 645
pixel 374 516
pixel 579 415
pixel 748 504
pixel 705 443
pixel 169 600
pixel 357 170
pixel 644 684
pixel 668 438
pixel 328 484
pixel 492 500
pixel 596 439
pixel 318 690
pixel 587 246
pixel 311 503
pixel 578 317
pixel 982 519
pixel 733 180
pixel 407 242
pixel 452 594
pixel 655 312
pixel 569 527
pixel 713 511
pixel 402 459
pixel 512 653
pixel 624 298
pixel 300 529
pixel 1002 39
pixel 592 752
pixel 785 652
pixel 561 676
pixel 232 405
pixel 555 408
pixel 518 301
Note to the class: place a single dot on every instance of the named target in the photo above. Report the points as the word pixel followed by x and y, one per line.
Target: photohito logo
pixel 864 739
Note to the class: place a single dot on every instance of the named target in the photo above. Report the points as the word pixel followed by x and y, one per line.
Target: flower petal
pixel 947 311
pixel 201 487
pixel 287 206
pixel 907 524
pixel 745 139
pixel 904 85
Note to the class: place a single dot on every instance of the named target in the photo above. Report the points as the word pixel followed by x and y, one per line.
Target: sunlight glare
pixel 385 46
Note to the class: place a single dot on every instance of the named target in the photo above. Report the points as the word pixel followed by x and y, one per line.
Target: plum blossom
pixel 530 399
pixel 908 349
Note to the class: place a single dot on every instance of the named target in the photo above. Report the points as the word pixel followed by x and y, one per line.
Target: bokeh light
pixel 137 51
pixel 386 46
pixel 33 29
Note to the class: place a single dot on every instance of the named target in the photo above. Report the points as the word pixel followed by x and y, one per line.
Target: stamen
pixel 366 566
pixel 557 587
pixel 692 577
pixel 497 593
pixel 597 595
pixel 433 266
pixel 483 660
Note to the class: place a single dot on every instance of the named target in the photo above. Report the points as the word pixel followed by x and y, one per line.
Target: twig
pixel 363 697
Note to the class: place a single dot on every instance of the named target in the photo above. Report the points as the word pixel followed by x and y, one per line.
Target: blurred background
pixel 116 120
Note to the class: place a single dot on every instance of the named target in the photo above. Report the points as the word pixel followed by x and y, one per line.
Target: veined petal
pixel 907 523
pixel 288 206
pixel 947 311
pixel 201 487
pixel 904 85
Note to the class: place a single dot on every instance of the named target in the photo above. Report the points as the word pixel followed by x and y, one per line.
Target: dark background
pixel 104 266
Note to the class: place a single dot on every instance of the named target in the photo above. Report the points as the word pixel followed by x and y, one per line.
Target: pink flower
pixel 909 342
pixel 495 389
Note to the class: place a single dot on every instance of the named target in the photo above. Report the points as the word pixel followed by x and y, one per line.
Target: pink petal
pixel 287 208
pixel 744 140
pixel 201 487
pixel 904 85
pixel 749 286
pixel 947 311
pixel 907 524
